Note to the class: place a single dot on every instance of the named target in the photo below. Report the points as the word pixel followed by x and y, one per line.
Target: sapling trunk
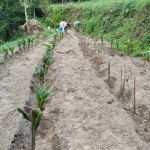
pixel 124 82
pixel 134 97
pixel 33 130
pixel 35 120
pixel 109 73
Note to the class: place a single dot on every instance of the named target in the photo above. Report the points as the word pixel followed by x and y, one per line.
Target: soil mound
pixel 34 27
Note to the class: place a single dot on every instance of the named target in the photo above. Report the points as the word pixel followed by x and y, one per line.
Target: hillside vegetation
pixel 124 23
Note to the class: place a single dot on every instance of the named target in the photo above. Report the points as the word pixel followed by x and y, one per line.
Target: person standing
pixel 63 27
pixel 77 23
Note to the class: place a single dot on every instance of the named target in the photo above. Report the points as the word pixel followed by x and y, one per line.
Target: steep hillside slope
pixel 116 21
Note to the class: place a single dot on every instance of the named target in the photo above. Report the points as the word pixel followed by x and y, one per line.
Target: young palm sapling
pixel 41 96
pixel 35 120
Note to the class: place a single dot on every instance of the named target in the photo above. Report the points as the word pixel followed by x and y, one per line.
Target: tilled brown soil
pixel 86 113
pixel 16 86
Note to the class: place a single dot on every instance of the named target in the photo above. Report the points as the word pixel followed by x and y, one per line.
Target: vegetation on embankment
pixel 121 22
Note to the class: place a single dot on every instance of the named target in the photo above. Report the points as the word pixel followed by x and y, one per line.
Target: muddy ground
pixel 86 112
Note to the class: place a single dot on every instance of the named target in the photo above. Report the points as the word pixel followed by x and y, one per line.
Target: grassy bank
pixel 124 23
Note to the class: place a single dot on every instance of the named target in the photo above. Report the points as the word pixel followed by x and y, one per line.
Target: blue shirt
pixel 78 22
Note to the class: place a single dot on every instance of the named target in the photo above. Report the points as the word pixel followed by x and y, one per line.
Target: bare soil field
pixel 87 112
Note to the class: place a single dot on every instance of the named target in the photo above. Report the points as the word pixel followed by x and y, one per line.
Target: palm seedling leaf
pixel 46 89
pixel 47 95
pixel 40 89
pixel 23 113
pixel 38 118
pixel 37 97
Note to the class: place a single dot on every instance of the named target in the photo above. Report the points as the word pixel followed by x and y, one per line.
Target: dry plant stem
pixel 124 81
pixel 109 72
pixel 134 96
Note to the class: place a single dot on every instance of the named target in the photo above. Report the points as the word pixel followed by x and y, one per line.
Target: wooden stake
pixel 98 62
pixel 121 81
pixel 134 96
pixel 124 81
pixel 85 45
pixel 145 62
pixel 109 72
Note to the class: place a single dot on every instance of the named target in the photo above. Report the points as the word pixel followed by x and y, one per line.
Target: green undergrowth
pixel 117 21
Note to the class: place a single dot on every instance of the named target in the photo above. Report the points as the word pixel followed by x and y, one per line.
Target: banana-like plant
pixel 24 43
pixel 49 47
pixel 5 52
pixel 11 48
pixel 130 45
pixel 41 96
pixel 1 42
pixel 44 34
pixel 40 74
pixel 28 41
pixel 32 39
pixel 146 55
pixel 47 63
pixel 61 35
pixel 19 43
pixel 37 36
pixel 55 37
pixel 35 120
pixel 117 44
pixel 53 42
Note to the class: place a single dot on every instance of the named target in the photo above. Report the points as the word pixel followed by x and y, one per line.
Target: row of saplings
pixel 21 44
pixel 40 94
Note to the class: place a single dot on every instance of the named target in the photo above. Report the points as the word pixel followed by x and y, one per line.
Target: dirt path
pixel 85 113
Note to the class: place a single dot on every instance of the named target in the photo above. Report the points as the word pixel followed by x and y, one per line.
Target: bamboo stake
pixel 134 96
pixel 109 72
pixel 124 81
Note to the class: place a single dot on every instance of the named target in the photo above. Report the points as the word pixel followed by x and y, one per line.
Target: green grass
pixel 119 20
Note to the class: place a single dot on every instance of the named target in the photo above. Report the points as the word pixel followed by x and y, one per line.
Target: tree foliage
pixel 11 16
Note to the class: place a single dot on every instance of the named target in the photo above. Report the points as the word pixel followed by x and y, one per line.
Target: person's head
pixel 68 25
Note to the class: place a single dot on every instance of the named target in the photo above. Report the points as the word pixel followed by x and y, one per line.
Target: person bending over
pixel 63 27
pixel 77 23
